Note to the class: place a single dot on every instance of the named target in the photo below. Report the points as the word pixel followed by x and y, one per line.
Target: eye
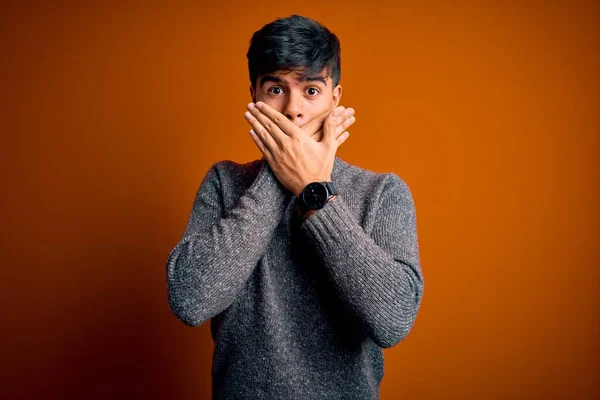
pixel 312 91
pixel 275 90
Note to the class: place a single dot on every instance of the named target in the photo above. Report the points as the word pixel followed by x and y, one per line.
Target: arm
pixel 209 266
pixel 378 277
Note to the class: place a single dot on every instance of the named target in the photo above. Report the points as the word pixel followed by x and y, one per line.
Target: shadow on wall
pixel 105 329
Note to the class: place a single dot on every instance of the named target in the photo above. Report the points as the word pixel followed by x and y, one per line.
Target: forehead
pixel 296 75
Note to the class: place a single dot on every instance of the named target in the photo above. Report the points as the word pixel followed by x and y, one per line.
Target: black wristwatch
pixel 315 195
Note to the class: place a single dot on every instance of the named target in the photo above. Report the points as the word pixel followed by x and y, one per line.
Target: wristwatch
pixel 315 195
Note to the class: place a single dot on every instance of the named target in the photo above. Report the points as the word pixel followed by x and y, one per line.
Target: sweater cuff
pixel 333 221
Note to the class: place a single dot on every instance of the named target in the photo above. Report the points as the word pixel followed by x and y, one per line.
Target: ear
pixel 252 94
pixel 337 95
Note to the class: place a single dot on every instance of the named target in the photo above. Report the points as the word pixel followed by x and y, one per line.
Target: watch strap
pixel 331 189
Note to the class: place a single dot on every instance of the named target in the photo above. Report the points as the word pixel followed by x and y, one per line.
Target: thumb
pixel 318 135
pixel 315 125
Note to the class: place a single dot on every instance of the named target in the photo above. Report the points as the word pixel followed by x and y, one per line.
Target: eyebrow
pixel 272 78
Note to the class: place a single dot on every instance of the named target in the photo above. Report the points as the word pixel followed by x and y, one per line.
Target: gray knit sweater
pixel 299 309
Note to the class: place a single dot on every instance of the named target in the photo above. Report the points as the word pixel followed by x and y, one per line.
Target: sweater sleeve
pixel 210 264
pixel 378 276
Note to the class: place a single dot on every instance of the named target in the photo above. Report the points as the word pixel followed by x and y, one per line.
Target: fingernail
pixel 247 114
pixel 351 119
pixel 259 105
pixel 251 106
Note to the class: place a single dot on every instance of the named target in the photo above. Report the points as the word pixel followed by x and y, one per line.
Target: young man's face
pixel 300 98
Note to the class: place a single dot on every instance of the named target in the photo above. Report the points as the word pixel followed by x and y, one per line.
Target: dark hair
pixel 294 42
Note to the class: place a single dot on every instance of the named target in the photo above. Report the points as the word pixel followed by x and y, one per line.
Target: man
pixel 306 265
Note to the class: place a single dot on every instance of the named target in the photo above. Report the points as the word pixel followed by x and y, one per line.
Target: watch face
pixel 315 195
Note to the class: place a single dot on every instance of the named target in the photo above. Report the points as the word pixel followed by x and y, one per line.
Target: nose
pixel 293 106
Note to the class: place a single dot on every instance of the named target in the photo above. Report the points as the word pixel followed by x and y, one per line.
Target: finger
pixel 338 111
pixel 346 118
pixel 348 112
pixel 260 131
pixel 331 123
pixel 344 125
pixel 342 138
pixel 343 122
pixel 268 125
pixel 341 128
pixel 275 122
pixel 336 115
pixel 261 146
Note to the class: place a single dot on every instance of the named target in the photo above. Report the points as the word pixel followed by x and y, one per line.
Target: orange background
pixel 111 116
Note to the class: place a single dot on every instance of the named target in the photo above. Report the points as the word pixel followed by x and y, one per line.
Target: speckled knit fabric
pixel 299 309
